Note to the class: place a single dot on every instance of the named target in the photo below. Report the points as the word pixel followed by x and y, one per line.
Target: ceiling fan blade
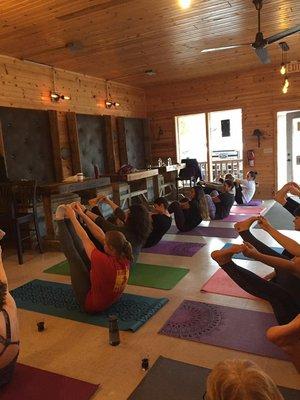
pixel 283 34
pixel 262 54
pixel 225 47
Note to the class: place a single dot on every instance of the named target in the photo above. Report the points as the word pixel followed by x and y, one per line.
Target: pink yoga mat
pixel 221 283
pixel 30 383
pixel 245 210
pixel 238 217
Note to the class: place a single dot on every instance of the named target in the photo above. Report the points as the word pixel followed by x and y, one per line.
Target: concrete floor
pixel 82 351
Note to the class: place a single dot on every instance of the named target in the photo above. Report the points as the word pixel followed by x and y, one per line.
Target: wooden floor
pixel 82 351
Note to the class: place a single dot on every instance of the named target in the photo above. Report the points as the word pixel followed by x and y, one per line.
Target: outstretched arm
pixel 289 244
pixel 83 236
pixel 95 230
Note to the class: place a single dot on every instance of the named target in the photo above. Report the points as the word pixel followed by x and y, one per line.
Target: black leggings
pixel 181 218
pixel 283 303
pixel 78 260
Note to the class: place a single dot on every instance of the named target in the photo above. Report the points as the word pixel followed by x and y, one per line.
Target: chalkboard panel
pixel 91 136
pixel 135 142
pixel 27 144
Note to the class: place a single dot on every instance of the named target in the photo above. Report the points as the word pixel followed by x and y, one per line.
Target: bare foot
pixel 246 224
pixel 288 338
pixel 224 255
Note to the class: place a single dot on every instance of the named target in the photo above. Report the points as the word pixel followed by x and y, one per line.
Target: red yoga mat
pixel 221 283
pixel 30 383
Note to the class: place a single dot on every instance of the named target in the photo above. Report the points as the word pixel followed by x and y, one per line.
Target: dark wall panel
pixel 91 135
pixel 27 144
pixel 135 142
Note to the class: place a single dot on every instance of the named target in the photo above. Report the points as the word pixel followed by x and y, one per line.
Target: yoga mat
pixel 252 203
pixel 233 328
pixel 240 256
pixel 221 283
pixel 30 383
pixel 209 231
pixel 175 380
pixel 155 276
pixel 238 217
pixel 245 210
pixel 279 217
pixel 172 248
pixel 57 299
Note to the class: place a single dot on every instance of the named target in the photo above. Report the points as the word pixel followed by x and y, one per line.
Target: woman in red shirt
pixel 98 278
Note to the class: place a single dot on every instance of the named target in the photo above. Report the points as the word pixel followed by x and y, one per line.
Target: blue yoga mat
pixel 240 256
pixel 58 299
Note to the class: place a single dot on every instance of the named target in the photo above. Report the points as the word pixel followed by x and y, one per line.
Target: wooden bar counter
pixel 150 176
pixel 64 188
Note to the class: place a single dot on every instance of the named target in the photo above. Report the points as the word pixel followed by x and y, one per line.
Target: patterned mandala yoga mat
pixel 58 299
pixel 233 328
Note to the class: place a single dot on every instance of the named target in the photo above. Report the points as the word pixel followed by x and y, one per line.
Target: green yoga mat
pixel 58 299
pixel 155 276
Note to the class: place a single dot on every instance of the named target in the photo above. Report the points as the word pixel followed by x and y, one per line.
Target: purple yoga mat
pixel 252 203
pixel 30 383
pixel 175 248
pixel 209 231
pixel 233 328
pixel 237 217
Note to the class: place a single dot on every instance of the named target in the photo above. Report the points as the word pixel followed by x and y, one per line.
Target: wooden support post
pixel 122 140
pixel 2 156
pixel 54 131
pixel 112 145
pixel 209 155
pixel 74 142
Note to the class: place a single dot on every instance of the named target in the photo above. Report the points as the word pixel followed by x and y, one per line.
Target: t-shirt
pixel 224 206
pixel 161 223
pixel 248 190
pixel 109 277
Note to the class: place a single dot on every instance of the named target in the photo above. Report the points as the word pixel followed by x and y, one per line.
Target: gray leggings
pixel 79 262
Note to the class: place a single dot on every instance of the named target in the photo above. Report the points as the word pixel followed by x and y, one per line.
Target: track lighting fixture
pixel 110 104
pixel 57 97
pixel 283 69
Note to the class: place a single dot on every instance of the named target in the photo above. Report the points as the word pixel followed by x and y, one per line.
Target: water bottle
pixel 114 336
pixel 159 161
pixel 169 161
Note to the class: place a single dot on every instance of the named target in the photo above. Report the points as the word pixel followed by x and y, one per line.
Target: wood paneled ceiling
pixel 121 39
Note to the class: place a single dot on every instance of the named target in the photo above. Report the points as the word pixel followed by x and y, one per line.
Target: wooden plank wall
pixel 28 85
pixel 257 92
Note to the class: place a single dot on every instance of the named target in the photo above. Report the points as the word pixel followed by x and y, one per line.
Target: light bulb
pixel 286 82
pixel 284 89
pixel 283 69
pixel 184 4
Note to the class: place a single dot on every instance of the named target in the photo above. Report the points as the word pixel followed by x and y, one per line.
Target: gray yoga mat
pixel 175 380
pixel 279 217
pixel 229 327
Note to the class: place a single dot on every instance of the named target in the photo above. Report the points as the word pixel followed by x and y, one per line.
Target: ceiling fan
pixel 260 44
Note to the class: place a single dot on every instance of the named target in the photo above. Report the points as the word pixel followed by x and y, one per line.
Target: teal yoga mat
pixel 149 275
pixel 240 256
pixel 57 299
pixel 176 380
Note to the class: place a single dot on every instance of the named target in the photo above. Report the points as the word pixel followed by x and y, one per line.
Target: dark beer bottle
pixel 114 336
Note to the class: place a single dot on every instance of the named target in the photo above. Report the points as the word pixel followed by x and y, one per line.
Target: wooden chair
pixel 21 208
